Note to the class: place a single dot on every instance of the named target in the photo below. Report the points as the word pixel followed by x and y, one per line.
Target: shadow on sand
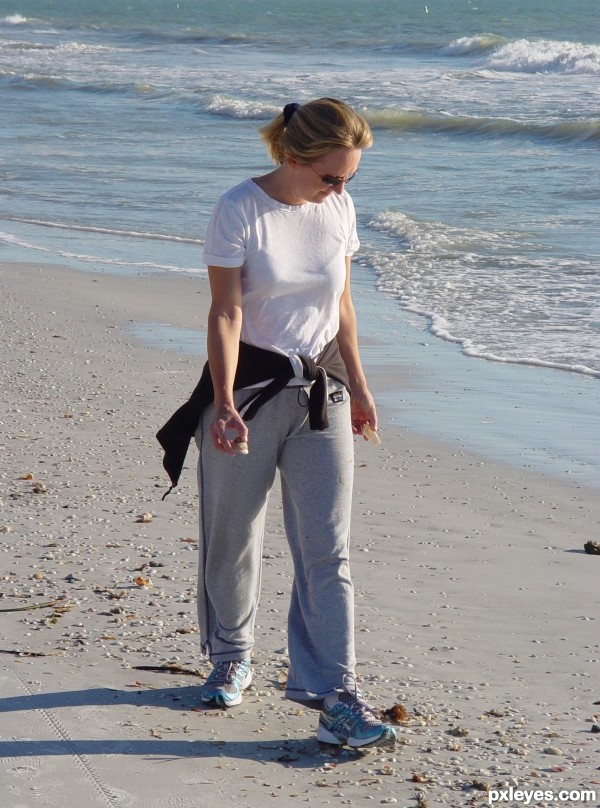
pixel 294 753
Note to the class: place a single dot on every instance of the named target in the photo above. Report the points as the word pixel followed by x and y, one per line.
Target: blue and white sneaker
pixel 226 683
pixel 345 718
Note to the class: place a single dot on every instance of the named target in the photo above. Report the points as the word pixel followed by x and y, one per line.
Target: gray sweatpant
pixel 316 469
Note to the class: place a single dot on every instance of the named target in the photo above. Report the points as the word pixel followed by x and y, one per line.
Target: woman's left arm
pixel 362 405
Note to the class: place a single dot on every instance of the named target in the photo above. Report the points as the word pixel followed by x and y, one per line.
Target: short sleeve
pixel 352 243
pixel 225 241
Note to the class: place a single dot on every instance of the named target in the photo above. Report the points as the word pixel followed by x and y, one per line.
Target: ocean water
pixel 478 205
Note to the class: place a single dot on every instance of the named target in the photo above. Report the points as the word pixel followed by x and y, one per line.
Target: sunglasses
pixel 333 181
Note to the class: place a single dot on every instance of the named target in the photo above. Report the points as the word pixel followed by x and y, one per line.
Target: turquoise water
pixel 478 204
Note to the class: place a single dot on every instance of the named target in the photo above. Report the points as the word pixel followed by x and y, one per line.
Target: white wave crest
pixel 545 56
pixel 83 47
pixel 528 56
pixel 221 104
pixel 472 44
pixel 429 238
pixel 14 19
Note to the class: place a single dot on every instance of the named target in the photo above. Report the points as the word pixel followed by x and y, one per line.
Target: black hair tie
pixel 288 112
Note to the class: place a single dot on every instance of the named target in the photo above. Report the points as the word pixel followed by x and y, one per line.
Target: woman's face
pixel 339 164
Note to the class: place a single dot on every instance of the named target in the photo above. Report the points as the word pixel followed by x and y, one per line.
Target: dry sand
pixel 476 608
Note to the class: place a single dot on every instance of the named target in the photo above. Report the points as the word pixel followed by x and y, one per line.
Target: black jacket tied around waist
pixel 255 366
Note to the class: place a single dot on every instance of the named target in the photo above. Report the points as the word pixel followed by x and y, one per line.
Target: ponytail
pixel 309 131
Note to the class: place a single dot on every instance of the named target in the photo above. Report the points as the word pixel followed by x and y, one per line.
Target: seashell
pixel 144 518
pixel 241 446
pixel 458 732
pixel 592 547
pixel 370 434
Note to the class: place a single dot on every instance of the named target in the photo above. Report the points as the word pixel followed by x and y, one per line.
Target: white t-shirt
pixel 293 260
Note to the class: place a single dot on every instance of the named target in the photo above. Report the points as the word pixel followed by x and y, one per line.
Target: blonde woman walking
pixel 284 382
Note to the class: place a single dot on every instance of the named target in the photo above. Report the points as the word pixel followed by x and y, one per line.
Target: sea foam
pixel 489 292
pixel 14 19
pixel 546 56
pixel 229 107
pixel 526 55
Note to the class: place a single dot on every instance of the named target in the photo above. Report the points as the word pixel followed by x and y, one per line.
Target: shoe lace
pixel 225 672
pixel 353 697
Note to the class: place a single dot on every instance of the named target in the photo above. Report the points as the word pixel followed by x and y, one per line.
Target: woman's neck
pixel 278 184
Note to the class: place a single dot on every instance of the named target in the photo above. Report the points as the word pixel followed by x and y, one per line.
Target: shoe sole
pixel 218 701
pixel 385 741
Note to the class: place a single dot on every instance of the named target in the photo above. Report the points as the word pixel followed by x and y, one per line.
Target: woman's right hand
pixel 227 429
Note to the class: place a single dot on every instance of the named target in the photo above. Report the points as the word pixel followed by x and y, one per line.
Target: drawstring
pixel 317 406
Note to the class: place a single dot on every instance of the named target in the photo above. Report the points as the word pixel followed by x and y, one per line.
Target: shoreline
pixel 476 607
pixel 527 416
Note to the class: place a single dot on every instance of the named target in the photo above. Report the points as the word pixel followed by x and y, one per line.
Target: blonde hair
pixel 315 129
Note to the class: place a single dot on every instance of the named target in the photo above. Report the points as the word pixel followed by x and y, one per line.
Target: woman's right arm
pixel 224 328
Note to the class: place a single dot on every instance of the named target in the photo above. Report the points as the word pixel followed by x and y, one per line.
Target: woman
pixel 289 389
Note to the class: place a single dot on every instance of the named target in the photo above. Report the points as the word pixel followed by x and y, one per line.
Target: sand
pixel 476 605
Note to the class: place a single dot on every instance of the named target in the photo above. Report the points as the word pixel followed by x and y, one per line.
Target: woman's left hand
pixel 362 411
